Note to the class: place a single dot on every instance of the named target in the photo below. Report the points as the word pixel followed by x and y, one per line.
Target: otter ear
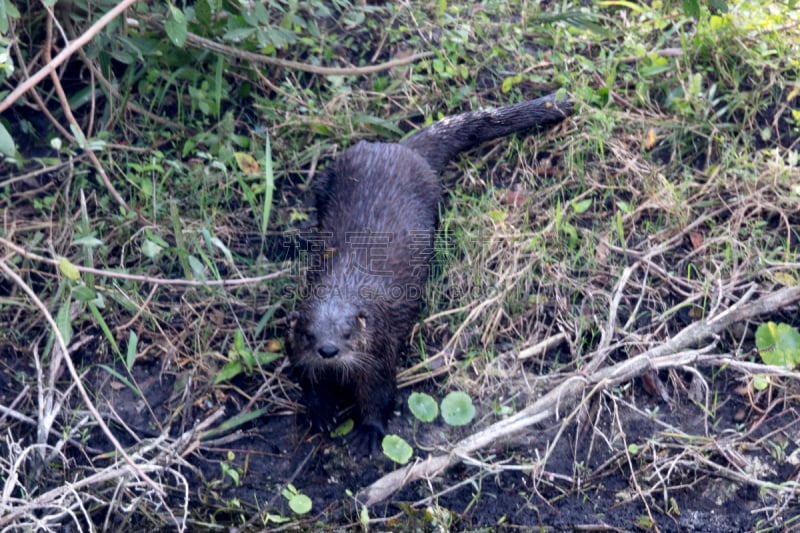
pixel 294 316
pixel 361 319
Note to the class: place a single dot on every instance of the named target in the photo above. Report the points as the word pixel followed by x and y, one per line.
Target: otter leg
pixel 375 403
pixel 320 405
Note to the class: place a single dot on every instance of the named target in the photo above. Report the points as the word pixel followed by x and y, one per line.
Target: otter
pixel 367 265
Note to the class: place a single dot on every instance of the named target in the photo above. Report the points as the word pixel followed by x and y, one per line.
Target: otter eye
pixel 346 336
pixel 310 338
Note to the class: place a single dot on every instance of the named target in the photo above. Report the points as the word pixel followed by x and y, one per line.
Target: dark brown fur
pixel 377 207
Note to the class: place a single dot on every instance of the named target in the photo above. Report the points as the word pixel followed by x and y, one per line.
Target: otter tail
pixel 443 140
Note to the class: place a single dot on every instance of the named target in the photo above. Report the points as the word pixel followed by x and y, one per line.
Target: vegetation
pixel 596 293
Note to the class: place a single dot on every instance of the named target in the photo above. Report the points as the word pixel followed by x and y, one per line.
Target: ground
pixel 609 291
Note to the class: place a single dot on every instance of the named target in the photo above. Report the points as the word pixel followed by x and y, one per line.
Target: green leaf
pixel 343 429
pixel 719 6
pixel 300 504
pixel 175 26
pixel 6 142
pixel 583 20
pixel 239 364
pixel 691 8
pixel 232 423
pixel 89 242
pixel 104 327
pixel 122 378
pixel 69 270
pixel 202 9
pixel 130 355
pixel 582 206
pixel 397 449
pixel 423 406
pixel 80 138
pixel 231 369
pixel 197 268
pixel 760 382
pixel 63 322
pixel 84 294
pixel 230 472
pixel 7 11
pixel 778 344
pixel 151 249
pixel 457 408
pixel 276 518
pixel 237 35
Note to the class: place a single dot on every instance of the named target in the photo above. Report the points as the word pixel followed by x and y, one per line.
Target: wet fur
pixel 346 334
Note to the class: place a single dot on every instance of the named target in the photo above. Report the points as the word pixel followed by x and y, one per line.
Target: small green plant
pixel 423 406
pixel 457 409
pixel 241 359
pixel 299 503
pixel 231 471
pixel 343 429
pixel 397 449
pixel 363 513
pixel 778 344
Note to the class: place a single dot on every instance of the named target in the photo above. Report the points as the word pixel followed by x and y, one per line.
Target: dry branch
pixel 662 356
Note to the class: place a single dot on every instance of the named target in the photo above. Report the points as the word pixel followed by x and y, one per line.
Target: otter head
pixel 329 335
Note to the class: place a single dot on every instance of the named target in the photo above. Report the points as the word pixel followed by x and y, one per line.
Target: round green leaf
pixel 423 406
pixel 397 449
pixel 778 344
pixel 300 503
pixel 765 336
pixel 457 408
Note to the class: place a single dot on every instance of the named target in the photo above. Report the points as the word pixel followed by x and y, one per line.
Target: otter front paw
pixel 322 414
pixel 366 438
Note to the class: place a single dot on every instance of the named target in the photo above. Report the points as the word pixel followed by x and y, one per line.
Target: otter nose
pixel 327 351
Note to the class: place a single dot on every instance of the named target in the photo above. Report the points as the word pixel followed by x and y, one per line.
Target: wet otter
pixel 377 205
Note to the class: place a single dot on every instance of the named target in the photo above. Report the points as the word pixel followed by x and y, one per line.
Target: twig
pixel 84 139
pixel 87 36
pixel 146 279
pixel 207 44
pixel 571 389
pixel 75 377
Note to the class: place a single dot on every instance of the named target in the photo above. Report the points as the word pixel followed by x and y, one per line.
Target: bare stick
pixel 661 356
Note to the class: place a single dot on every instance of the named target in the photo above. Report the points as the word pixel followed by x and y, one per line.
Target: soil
pixel 587 483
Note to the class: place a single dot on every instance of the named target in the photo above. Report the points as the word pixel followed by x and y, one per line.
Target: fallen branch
pixel 662 356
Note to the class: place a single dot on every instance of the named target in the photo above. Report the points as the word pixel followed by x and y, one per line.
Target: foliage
pixel 778 344
pixel 397 449
pixel 457 408
pixel 423 406
pixel 299 503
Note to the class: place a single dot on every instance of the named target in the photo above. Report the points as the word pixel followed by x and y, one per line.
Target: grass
pixel 669 199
